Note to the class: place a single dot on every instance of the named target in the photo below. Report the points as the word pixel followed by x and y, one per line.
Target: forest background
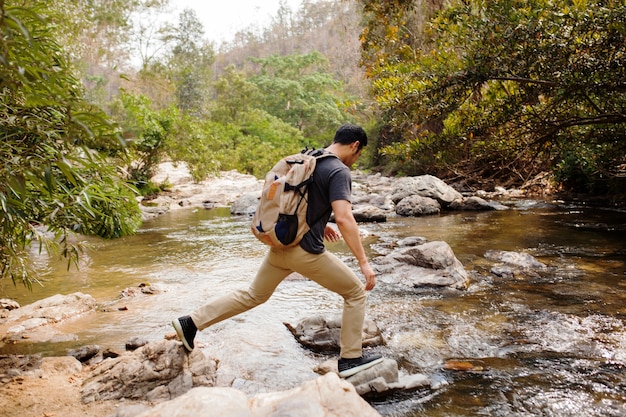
pixel 96 93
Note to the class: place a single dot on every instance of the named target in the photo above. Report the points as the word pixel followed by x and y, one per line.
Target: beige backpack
pixel 280 217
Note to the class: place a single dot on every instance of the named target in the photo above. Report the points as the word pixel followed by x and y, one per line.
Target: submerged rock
pixel 322 335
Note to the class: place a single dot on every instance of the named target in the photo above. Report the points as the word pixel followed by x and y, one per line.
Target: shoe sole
pixel 357 369
pixel 181 335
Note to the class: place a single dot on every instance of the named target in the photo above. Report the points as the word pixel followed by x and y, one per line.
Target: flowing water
pixel 550 345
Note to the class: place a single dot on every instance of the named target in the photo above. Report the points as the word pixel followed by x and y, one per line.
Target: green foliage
pixel 511 85
pixel 146 130
pixel 52 185
pixel 264 140
pixel 190 64
pixel 298 90
pixel 205 146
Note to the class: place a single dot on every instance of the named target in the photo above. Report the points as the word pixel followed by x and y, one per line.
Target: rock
pixel 157 371
pixel 7 304
pixel 327 396
pixel 416 205
pixel 246 204
pixel 13 365
pixel 33 322
pixel 518 259
pixel 135 343
pixel 132 410
pixel 61 365
pixel 514 264
pixel 425 186
pixel 322 335
pixel 456 365
pixel 85 353
pixel 475 203
pixel 369 213
pixel 382 378
pixel 428 264
pixel 375 379
pixel 200 401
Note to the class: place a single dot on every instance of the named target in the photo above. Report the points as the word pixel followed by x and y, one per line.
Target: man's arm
pixel 350 231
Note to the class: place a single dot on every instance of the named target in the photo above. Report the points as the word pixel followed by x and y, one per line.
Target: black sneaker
pixel 349 367
pixel 186 330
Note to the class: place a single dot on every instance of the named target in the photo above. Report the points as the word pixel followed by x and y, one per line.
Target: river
pixel 550 345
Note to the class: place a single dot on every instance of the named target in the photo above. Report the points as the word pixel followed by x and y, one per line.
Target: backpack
pixel 280 218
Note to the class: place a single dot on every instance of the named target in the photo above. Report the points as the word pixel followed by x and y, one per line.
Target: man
pixel 330 192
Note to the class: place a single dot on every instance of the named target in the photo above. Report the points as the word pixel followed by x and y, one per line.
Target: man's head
pixel 348 133
pixel 348 143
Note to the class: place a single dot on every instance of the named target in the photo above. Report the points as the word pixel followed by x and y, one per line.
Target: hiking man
pixel 329 192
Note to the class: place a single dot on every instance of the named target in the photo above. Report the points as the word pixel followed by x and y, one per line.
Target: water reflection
pixel 553 344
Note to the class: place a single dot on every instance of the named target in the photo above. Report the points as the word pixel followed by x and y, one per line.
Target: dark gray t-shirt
pixel 332 181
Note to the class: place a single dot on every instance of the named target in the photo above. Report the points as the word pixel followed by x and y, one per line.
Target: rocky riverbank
pixel 113 385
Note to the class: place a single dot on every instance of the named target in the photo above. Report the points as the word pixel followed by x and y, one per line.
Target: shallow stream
pixel 554 345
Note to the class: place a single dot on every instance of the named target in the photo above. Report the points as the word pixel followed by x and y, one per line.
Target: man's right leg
pixel 260 290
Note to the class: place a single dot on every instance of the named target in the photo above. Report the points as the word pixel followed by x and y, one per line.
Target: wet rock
pixel 514 265
pixel 85 353
pixel 322 335
pixel 135 343
pixel 246 204
pixel 7 304
pixel 475 203
pixel 142 288
pixel 34 321
pixel 383 378
pixel 466 366
pixel 369 214
pixel 157 371
pixel 416 205
pixel 425 186
pixel 109 353
pixel 427 264
pixel 518 259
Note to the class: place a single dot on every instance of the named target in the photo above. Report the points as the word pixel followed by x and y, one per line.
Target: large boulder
pixel 157 371
pixel 327 396
pixel 416 205
pixel 426 264
pixel 425 186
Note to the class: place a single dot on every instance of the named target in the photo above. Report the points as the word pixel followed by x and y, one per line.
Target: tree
pixel 52 184
pixel 190 63
pixel 514 87
pixel 298 90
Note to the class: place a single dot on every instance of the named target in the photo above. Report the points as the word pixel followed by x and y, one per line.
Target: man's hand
pixel 368 273
pixel 331 234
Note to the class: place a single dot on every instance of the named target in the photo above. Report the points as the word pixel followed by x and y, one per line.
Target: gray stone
pixel 322 335
pixel 157 371
pixel 415 205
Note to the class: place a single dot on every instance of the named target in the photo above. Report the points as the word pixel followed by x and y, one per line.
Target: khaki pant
pixel 325 269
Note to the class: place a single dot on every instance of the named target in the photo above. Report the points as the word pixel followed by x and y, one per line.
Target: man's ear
pixel 355 145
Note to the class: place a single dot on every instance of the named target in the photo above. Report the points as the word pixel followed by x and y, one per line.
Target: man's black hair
pixel 348 133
